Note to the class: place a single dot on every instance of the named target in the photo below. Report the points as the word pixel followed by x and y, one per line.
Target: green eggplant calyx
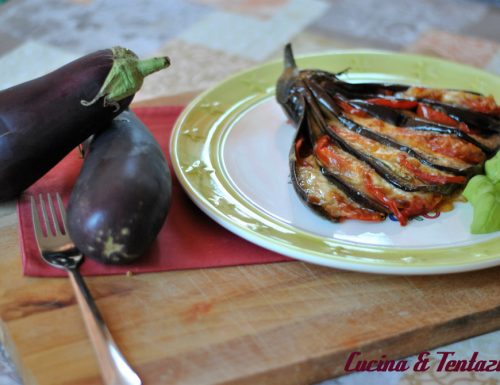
pixel 126 76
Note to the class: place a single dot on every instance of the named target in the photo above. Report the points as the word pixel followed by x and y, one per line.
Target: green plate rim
pixel 244 220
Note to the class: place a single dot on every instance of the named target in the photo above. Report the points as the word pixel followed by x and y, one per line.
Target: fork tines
pixel 57 218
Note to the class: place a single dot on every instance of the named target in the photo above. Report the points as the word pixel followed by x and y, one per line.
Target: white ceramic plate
pixel 230 152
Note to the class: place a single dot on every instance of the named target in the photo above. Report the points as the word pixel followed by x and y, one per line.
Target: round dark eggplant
pixel 122 195
pixel 42 120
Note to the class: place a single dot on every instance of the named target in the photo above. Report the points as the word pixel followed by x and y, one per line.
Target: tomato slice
pixel 437 179
pixel 433 115
pixel 380 196
pixel 429 113
pixel 346 107
pixel 484 104
pixel 326 155
pixel 399 104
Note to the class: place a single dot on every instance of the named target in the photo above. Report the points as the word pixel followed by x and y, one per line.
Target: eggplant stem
pixel 344 71
pixel 149 66
pixel 289 59
pixel 125 77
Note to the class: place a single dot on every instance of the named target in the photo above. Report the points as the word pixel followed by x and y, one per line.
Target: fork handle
pixel 114 368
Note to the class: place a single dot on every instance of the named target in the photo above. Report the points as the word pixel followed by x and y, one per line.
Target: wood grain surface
pixel 288 323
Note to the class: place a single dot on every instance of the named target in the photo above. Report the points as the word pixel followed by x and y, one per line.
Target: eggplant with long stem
pixel 389 148
pixel 42 120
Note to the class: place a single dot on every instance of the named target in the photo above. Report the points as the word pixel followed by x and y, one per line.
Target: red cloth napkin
pixel 188 240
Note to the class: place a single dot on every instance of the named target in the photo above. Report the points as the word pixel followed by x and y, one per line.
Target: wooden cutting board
pixel 288 323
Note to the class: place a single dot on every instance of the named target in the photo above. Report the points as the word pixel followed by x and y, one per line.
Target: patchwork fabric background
pixel 208 40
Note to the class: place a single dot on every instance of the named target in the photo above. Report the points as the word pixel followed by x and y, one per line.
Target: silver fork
pixel 58 250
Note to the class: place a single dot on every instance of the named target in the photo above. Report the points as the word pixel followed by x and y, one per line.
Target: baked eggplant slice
pixel 323 191
pixel 366 150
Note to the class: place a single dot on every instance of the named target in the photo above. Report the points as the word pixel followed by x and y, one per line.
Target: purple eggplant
pixel 122 195
pixel 42 120
pixel 366 150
